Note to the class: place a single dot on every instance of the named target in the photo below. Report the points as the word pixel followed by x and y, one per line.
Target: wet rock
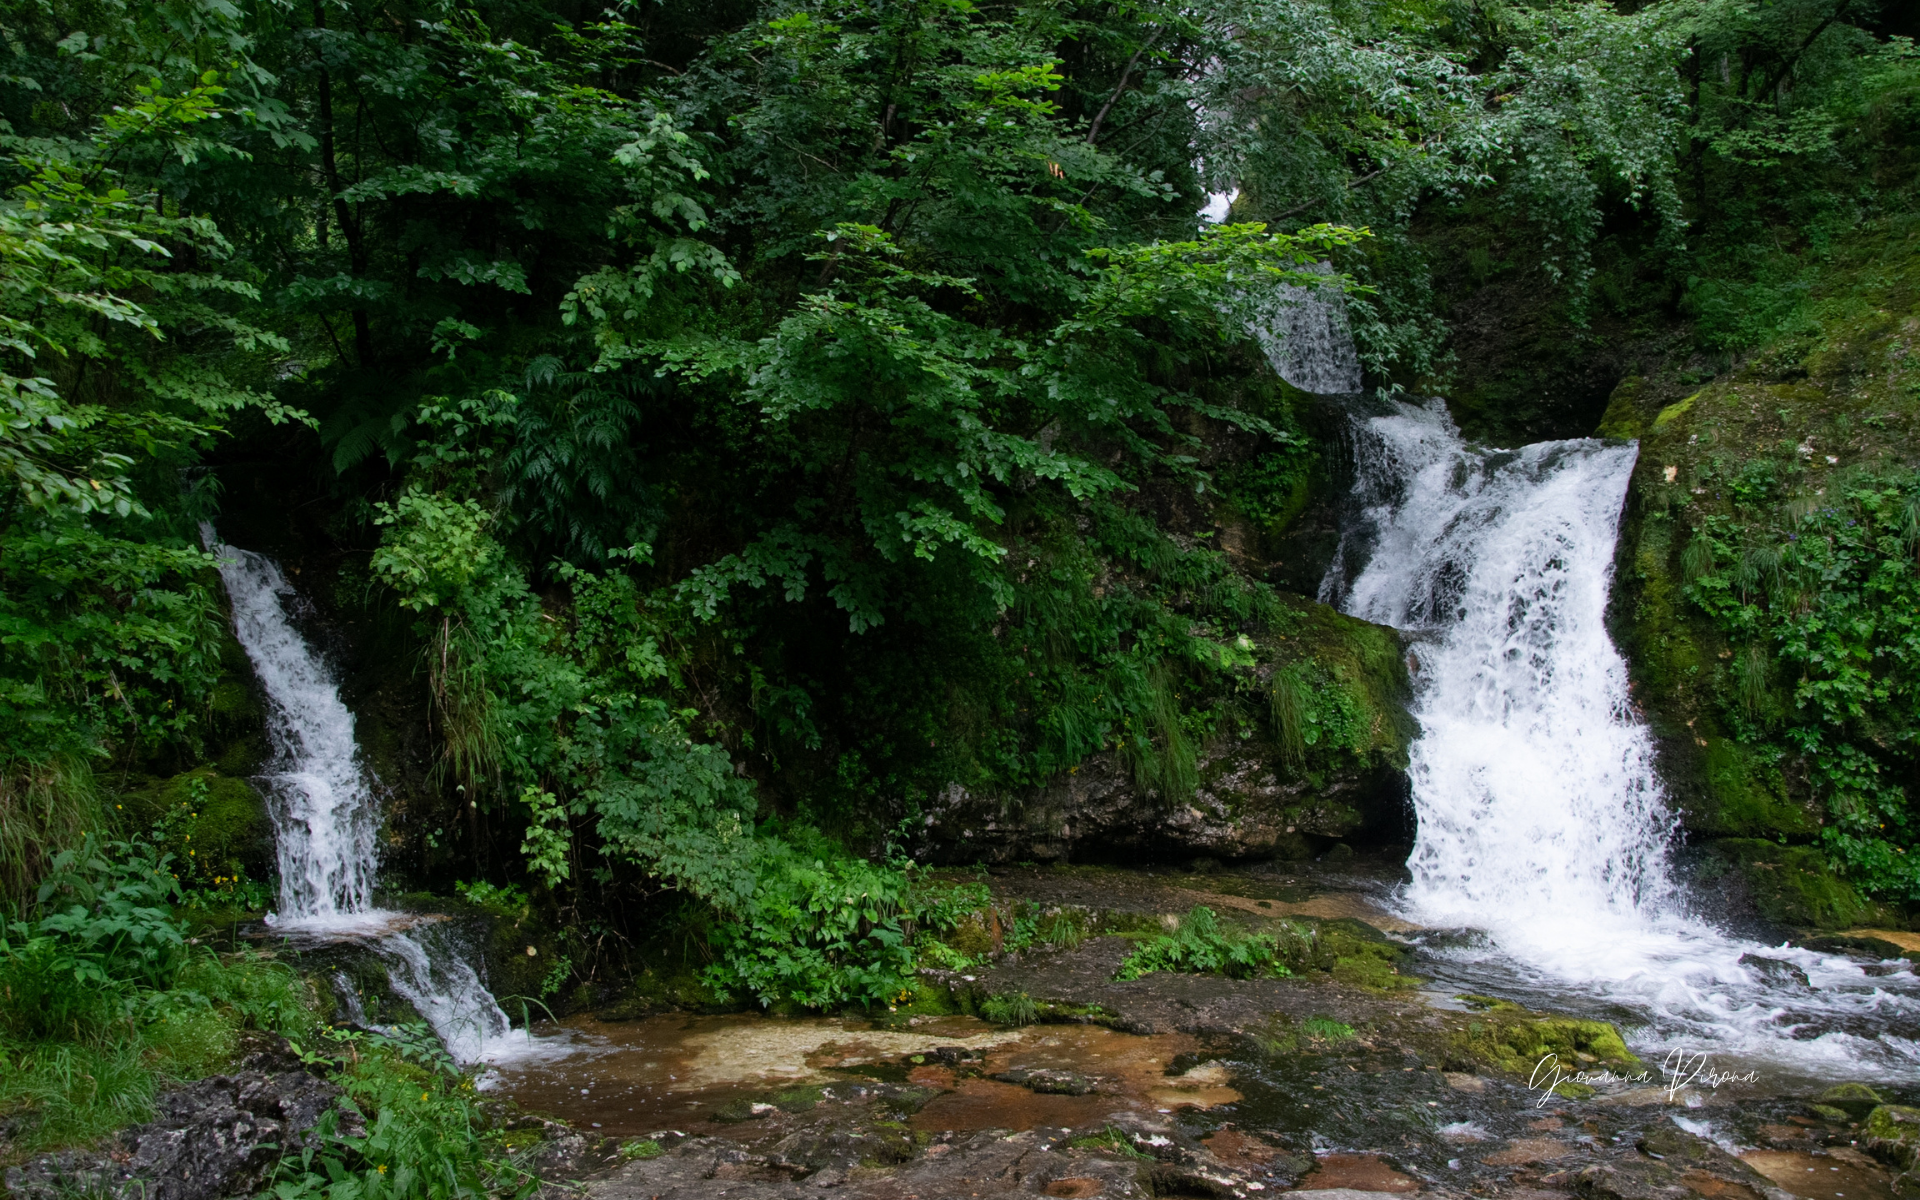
pixel 568 1154
pixel 991 1162
pixel 1246 806
pixel 1777 971
pixel 1049 1082
pixel 1630 1180
pixel 217 1137
pixel 1856 1100
pixel 1891 1134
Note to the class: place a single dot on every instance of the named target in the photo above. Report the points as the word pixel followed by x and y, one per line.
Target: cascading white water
pixel 1502 562
pixel 317 788
pixel 1305 335
pixel 326 825
pixel 1541 818
pixel 431 974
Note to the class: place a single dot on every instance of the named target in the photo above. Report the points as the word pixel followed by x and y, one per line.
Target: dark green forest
pixel 707 434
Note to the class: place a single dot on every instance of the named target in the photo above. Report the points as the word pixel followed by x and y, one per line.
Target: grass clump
pixel 410 1127
pixel 1010 1008
pixel 1201 945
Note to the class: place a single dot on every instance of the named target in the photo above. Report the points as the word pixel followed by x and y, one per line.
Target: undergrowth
pixel 103 1000
pixel 1201 945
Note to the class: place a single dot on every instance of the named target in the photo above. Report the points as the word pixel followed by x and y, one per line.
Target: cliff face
pixel 1764 594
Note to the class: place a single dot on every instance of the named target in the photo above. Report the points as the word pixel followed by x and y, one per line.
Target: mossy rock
pixel 1792 885
pixel 1891 1133
pixel 1748 795
pixel 1854 1099
pixel 213 824
pixel 652 992
pixel 1622 418
pixel 1358 955
pixel 1725 465
pixel 1507 1038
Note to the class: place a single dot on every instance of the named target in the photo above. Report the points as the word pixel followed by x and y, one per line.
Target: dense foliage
pixel 748 420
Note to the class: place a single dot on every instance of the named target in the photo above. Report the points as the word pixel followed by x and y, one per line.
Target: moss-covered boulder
pixel 214 825
pixel 1504 1037
pixel 1891 1133
pixel 1324 764
pixel 1788 884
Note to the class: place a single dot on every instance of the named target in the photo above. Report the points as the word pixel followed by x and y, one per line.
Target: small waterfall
pixel 1306 337
pixel 317 788
pixel 430 973
pixel 1541 818
pixel 326 824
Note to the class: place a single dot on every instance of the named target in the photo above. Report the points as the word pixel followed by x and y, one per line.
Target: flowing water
pixel 326 823
pixel 1542 822
pixel 1305 335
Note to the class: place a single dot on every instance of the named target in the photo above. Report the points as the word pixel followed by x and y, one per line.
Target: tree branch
pixel 1093 130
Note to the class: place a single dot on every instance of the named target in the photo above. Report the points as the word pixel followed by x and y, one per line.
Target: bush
pixel 106 931
pixel 1202 946
pixel 424 1138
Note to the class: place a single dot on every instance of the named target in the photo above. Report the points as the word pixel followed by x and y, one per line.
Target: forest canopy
pixel 750 419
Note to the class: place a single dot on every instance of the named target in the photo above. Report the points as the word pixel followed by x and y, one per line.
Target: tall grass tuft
pixel 464 707
pixel 1162 757
pixel 1289 697
pixel 45 808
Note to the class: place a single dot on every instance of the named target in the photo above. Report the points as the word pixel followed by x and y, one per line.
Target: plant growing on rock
pixel 1201 945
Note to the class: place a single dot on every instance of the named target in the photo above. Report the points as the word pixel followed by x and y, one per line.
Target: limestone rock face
pixel 216 1137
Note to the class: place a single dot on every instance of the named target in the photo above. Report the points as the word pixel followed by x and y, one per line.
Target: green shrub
pixel 508 902
pixel 1202 946
pixel 105 929
pixel 1010 1008
pixel 425 1136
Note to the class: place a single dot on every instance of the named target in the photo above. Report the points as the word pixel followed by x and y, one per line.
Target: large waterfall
pixel 1541 818
pixel 326 821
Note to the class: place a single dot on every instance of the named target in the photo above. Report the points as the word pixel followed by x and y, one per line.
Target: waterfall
pixel 326 823
pixel 1499 564
pixel 318 792
pixel 1306 337
pixel 1542 822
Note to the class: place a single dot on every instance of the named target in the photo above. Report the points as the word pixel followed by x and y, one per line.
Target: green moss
pixel 1767 582
pixel 1748 794
pixel 1511 1040
pixel 1339 690
pixel 1892 1134
pixel 1792 885
pixel 1855 1099
pixel 1674 412
pixel 215 826
pixel 1622 418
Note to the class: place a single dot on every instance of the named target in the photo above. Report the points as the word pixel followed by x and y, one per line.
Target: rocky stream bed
pixel 1372 1075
